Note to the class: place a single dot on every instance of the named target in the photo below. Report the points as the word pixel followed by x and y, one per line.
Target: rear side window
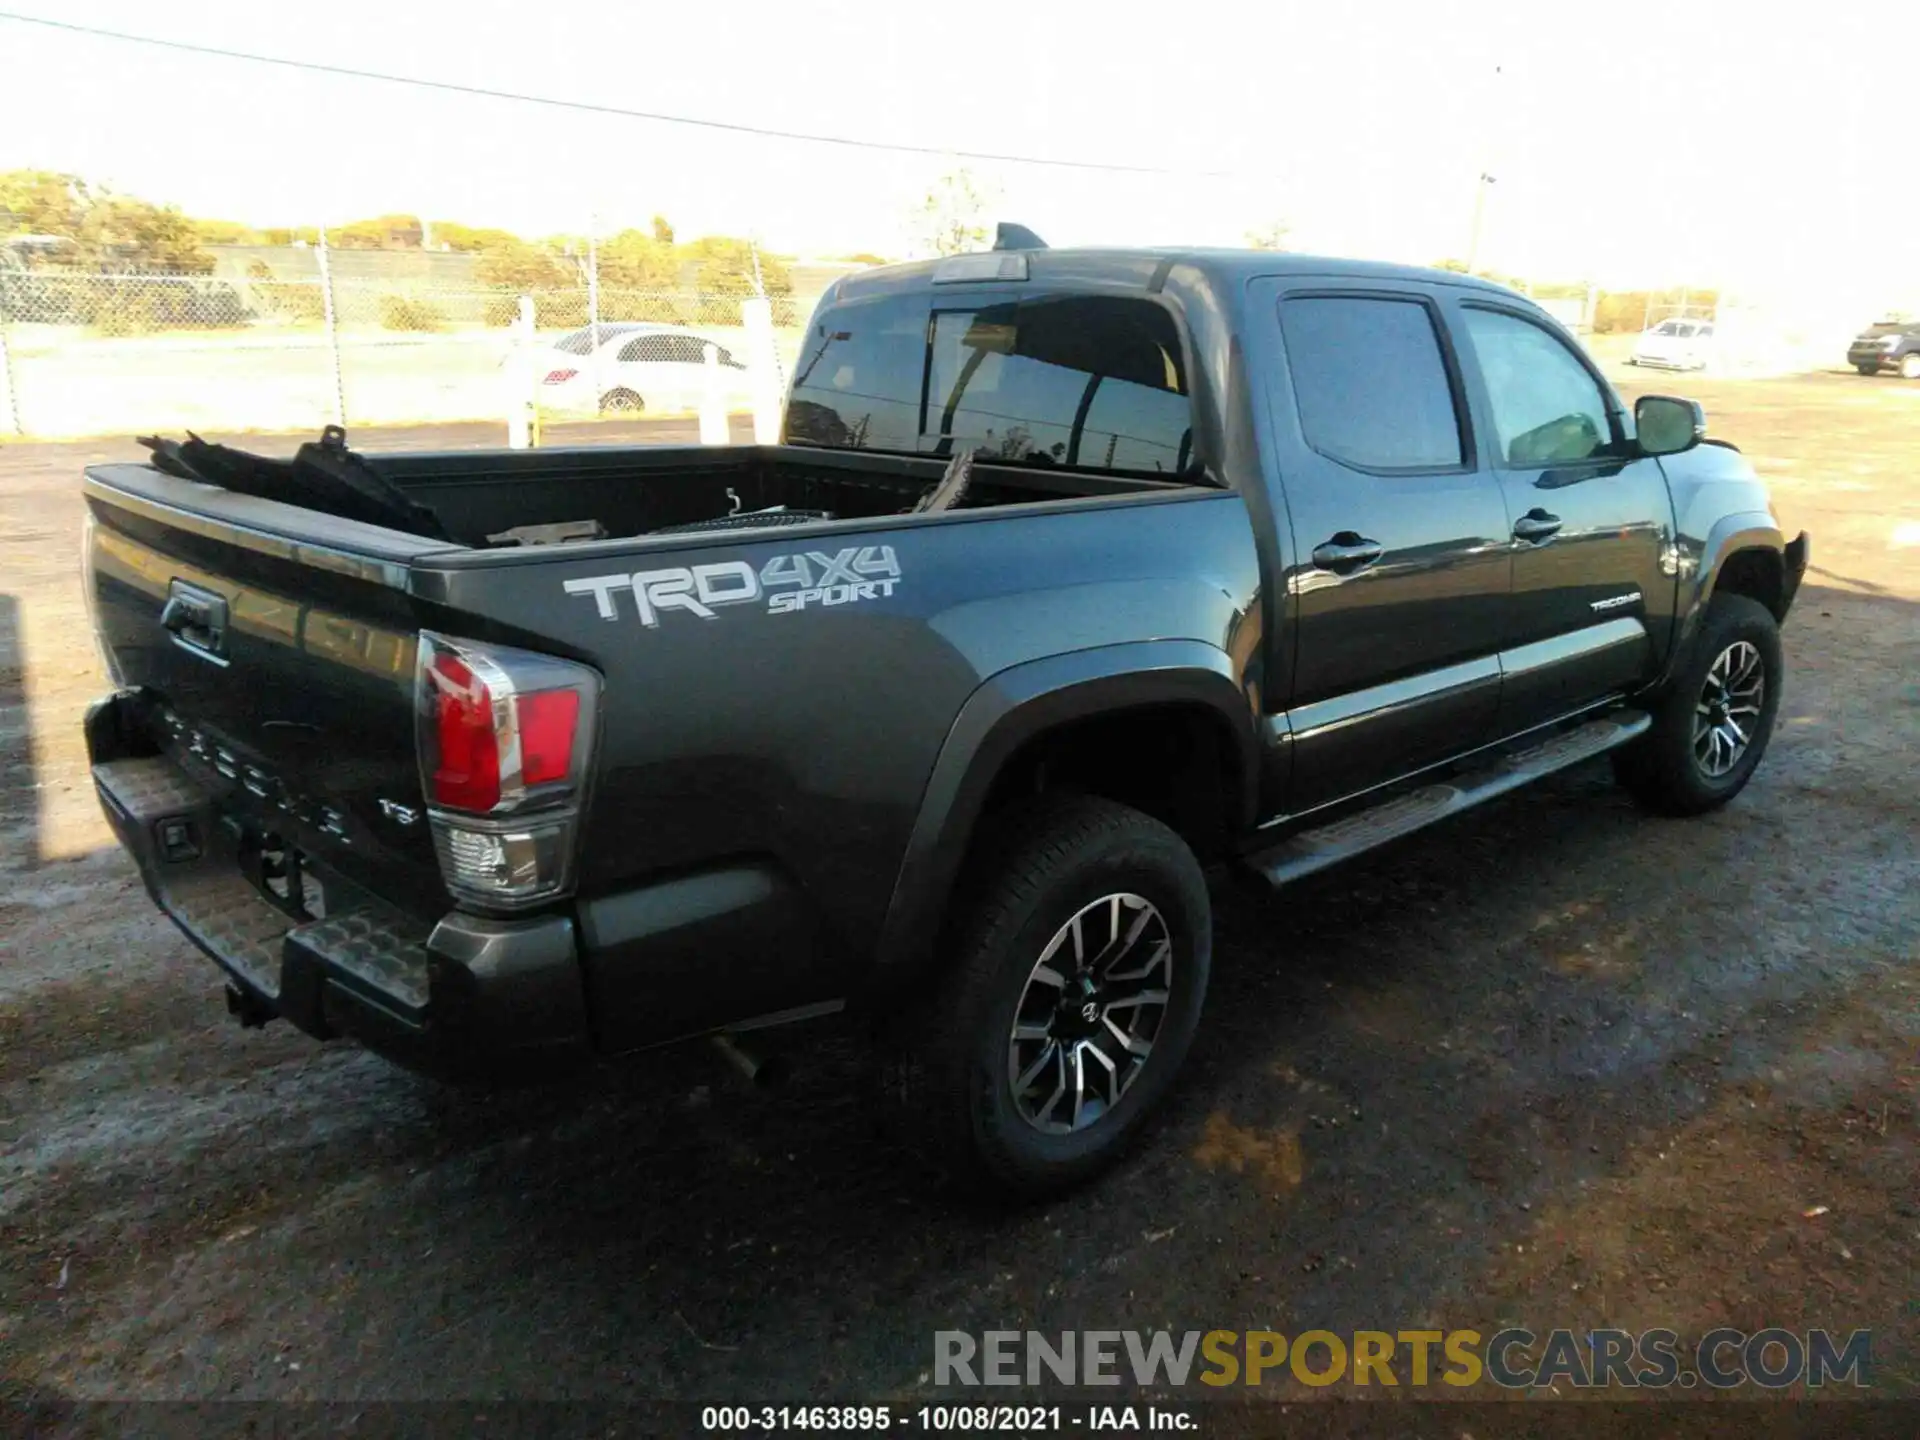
pixel 857 383
pixel 1080 381
pixel 1370 382
pixel 575 342
pixel 649 348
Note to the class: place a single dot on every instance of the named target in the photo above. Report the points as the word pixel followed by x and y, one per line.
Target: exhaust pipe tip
pixel 762 1072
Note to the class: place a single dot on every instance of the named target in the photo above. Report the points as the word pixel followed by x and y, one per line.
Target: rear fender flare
pixel 1010 709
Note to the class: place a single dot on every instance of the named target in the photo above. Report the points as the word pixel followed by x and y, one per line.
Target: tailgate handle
pixel 197 620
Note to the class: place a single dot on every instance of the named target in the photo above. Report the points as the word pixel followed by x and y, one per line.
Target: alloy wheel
pixel 1727 715
pixel 1089 1013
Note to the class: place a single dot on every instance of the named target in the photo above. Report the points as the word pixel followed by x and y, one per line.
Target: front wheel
pixel 1072 995
pixel 1910 366
pixel 1712 728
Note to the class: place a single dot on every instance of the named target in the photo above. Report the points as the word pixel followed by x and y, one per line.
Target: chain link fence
pixel 93 354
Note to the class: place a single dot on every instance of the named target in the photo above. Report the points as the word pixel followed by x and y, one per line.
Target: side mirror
pixel 1666 425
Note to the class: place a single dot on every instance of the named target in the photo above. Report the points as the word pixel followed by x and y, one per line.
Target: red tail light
pixel 505 739
pixel 547 723
pixel 466 765
pixel 560 377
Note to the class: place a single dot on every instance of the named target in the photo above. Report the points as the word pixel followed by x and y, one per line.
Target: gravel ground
pixel 1555 1063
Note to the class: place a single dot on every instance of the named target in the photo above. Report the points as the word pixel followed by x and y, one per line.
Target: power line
pixel 488 93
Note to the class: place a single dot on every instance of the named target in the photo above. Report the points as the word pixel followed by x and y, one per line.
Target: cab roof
pixel 1104 268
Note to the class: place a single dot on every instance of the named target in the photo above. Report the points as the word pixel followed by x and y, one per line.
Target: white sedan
pixel 636 367
pixel 1675 345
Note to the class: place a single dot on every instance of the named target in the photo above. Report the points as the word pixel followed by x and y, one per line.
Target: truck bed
pixel 768 740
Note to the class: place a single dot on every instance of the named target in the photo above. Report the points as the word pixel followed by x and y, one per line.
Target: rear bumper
pixel 465 996
pixel 1876 357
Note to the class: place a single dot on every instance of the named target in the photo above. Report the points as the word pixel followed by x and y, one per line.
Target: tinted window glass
pixel 857 383
pixel 1370 382
pixel 651 348
pixel 1547 408
pixel 1088 382
pixel 578 342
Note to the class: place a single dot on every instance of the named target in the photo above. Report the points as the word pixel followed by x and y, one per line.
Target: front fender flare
pixel 1011 708
pixel 1701 567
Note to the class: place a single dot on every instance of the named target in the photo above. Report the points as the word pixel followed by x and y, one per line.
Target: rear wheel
pixel 1868 369
pixel 1071 998
pixel 621 402
pixel 1710 731
pixel 1910 365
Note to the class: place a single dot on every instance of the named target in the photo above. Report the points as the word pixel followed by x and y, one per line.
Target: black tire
pixel 621 401
pixel 946 1072
pixel 1662 770
pixel 1868 369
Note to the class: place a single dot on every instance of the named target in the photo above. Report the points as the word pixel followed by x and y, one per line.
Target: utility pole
pixel 1479 215
pixel 1489 123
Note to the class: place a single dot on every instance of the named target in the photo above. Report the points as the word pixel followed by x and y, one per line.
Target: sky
pixel 1630 143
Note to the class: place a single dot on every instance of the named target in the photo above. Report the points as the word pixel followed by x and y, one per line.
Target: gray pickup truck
pixel 1077 572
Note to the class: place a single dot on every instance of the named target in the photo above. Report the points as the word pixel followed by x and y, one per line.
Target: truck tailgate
pixel 273 649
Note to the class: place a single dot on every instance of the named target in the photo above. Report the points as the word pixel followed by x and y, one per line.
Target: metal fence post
pixel 333 333
pixel 593 300
pixel 10 423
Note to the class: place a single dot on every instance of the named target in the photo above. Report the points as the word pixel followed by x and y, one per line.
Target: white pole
pixel 713 404
pixel 521 381
pixel 757 316
pixel 333 333
pixel 593 300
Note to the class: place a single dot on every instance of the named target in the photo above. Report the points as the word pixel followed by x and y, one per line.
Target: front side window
pixel 1547 407
pixel 1082 381
pixel 1371 383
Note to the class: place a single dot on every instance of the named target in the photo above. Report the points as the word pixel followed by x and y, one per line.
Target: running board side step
pixel 1312 850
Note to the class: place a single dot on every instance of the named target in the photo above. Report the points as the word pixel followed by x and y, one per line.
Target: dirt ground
pixel 1555 1064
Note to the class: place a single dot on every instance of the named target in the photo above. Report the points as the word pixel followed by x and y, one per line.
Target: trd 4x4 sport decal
pixel 799 581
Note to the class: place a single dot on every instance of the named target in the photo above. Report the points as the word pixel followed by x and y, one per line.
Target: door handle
pixel 1347 552
pixel 1536 524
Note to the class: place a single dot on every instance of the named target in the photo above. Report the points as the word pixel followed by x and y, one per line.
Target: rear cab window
pixel 1085 382
pixel 1075 382
pixel 858 382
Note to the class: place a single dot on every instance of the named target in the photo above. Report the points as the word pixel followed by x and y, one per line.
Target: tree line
pixel 60 221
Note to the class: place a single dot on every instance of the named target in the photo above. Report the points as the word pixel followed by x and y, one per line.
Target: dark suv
pixel 1890 345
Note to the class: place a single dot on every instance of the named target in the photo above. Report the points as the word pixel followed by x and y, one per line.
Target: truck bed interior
pixel 481 498
pixel 639 491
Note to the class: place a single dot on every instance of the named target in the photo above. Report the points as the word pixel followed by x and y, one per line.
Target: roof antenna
pixel 1008 236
